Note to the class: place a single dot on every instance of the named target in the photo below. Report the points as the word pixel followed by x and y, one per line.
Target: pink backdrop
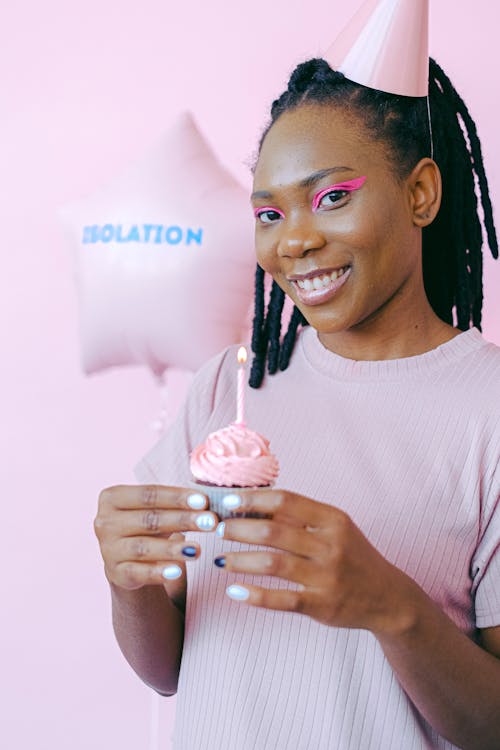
pixel 85 88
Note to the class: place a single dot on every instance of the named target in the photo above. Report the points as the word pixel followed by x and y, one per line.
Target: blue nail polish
pixel 231 502
pixel 189 551
pixel 238 593
pixel 205 522
pixel 171 572
pixel 220 561
pixel 220 529
pixel 196 501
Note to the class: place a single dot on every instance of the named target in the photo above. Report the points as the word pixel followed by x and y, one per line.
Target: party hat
pixel 386 47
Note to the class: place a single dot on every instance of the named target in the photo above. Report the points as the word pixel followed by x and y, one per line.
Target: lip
pixel 318 296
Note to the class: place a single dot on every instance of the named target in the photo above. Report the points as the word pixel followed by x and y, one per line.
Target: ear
pixel 425 191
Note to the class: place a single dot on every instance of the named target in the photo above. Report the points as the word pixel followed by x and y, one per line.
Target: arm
pixel 138 532
pixel 149 629
pixel 345 582
pixel 138 527
pixel 454 683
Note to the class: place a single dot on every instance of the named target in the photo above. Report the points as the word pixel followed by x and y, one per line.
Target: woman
pixel 367 609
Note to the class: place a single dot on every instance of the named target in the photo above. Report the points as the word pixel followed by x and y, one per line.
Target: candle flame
pixel 242 355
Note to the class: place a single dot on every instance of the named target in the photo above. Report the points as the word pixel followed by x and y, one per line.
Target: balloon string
pixel 159 427
pixel 154 731
pixel 159 424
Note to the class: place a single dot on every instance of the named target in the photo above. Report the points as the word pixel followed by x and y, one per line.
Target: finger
pixel 151 549
pixel 280 599
pixel 157 522
pixel 265 563
pixel 285 505
pixel 129 497
pixel 271 533
pixel 112 523
pixel 133 575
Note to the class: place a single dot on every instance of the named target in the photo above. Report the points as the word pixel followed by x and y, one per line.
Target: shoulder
pixel 216 368
pixel 481 371
pixel 487 349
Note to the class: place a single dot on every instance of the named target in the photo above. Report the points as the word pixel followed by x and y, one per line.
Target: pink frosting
pixel 234 456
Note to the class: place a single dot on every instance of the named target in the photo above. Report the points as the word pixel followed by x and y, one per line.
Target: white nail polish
pixel 205 522
pixel 220 529
pixel 238 593
pixel 196 501
pixel 231 502
pixel 171 572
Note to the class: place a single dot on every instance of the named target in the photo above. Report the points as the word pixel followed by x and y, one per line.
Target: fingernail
pixel 196 501
pixel 238 593
pixel 189 551
pixel 221 527
pixel 205 522
pixel 230 502
pixel 220 561
pixel 171 572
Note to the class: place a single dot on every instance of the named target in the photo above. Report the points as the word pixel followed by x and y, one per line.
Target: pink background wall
pixel 85 88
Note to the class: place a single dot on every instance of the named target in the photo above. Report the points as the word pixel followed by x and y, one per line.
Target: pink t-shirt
pixel 410 449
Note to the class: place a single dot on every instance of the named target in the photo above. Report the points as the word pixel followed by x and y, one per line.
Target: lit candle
pixel 240 393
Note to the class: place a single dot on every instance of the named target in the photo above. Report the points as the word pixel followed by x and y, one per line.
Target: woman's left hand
pixel 342 579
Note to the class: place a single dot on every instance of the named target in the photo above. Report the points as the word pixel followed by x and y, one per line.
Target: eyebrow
pixel 307 182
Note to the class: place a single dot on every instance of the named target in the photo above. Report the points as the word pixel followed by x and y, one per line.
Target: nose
pixel 298 238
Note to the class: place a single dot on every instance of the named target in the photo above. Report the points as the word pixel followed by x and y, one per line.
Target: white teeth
pixel 317 283
pixel 320 282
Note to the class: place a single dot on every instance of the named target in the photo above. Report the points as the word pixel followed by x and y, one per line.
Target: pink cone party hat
pixel 386 47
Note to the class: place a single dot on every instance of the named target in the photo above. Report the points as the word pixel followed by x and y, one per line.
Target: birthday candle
pixel 240 392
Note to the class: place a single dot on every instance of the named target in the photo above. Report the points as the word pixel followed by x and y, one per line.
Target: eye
pixel 268 215
pixel 335 196
pixel 327 200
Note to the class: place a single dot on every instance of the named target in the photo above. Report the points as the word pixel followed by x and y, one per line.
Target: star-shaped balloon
pixel 164 259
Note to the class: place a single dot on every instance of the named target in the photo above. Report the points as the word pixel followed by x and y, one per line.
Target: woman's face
pixel 334 225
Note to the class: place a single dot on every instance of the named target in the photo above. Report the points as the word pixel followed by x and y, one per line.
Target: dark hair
pixel 451 245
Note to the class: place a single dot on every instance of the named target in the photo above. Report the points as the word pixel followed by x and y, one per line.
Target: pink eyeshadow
pixel 262 209
pixel 349 186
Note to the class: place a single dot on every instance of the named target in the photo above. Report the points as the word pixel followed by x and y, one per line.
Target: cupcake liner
pixel 216 495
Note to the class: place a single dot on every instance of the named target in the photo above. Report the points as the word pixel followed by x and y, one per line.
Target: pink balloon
pixel 164 259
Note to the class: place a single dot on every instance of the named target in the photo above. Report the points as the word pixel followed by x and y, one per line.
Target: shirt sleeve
pixel 486 561
pixel 167 462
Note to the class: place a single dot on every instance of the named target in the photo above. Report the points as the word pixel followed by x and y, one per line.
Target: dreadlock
pixel 451 245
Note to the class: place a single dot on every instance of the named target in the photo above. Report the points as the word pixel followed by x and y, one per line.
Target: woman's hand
pixel 139 529
pixel 140 533
pixel 342 579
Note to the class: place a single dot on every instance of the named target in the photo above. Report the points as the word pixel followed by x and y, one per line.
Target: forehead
pixel 314 137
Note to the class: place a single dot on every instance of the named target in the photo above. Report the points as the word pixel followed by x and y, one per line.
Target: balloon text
pixel 145 233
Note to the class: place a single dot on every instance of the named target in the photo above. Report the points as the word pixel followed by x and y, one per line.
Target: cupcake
pixel 231 459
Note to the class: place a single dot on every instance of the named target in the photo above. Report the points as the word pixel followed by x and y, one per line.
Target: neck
pixel 378 338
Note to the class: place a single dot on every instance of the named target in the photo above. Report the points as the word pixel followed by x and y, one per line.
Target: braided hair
pixel 451 246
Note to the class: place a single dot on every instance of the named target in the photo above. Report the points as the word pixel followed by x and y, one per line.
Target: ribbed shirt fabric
pixel 410 449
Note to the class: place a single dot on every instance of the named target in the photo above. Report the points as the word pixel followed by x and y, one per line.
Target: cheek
pixel 265 251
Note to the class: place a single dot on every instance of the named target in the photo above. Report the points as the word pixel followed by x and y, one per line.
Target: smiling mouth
pixel 322 281
pixel 320 288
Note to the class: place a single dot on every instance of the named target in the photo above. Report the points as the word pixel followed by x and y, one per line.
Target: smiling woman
pixel 323 116
pixel 369 229
pixel 360 606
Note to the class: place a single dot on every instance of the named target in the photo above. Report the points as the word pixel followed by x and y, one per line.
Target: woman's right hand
pixel 140 532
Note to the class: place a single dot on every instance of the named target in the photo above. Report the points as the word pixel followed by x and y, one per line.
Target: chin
pixel 326 324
